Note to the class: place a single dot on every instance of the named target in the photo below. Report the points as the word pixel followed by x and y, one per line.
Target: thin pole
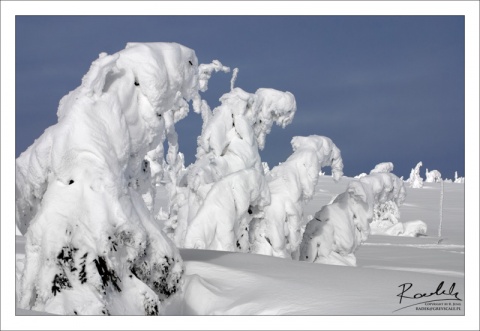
pixel 441 209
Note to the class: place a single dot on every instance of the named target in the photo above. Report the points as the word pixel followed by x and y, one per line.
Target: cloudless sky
pixel 383 88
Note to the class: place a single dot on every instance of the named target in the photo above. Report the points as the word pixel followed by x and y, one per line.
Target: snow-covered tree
pixel 338 229
pixel 415 180
pixel 222 220
pixel 84 189
pixel 227 155
pixel 458 179
pixel 433 176
pixel 279 231
pixel 382 167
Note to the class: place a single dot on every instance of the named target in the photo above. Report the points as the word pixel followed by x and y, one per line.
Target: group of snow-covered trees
pixel 434 176
pixel 87 189
pixel 96 240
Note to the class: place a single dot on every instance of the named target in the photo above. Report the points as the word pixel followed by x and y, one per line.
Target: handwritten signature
pixel 440 294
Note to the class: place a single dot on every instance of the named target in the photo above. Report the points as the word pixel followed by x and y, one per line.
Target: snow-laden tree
pixel 458 179
pixel 278 232
pixel 415 180
pixel 433 176
pixel 227 155
pixel 382 167
pixel 93 246
pixel 338 229
pixel 223 218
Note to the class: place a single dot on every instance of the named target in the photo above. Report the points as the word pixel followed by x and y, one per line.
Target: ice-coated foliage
pixel 93 246
pixel 279 231
pixel 433 176
pixel 338 229
pixel 415 180
pixel 227 156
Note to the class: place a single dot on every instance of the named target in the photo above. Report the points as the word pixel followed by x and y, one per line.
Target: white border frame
pixel 470 9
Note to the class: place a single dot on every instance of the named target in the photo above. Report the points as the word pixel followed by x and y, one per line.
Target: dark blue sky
pixel 383 88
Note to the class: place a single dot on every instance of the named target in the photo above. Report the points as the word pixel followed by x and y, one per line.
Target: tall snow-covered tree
pixel 227 155
pixel 278 231
pixel 93 246
pixel 415 180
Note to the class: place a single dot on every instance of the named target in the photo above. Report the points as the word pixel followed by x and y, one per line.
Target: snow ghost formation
pixel 278 231
pixel 84 189
pixel 338 229
pixel 415 180
pixel 433 176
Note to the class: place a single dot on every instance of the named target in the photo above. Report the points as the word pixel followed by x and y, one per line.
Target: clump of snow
pixel 84 189
pixel 279 231
pixel 360 176
pixel 415 180
pixel 338 229
pixel 433 176
pixel 266 167
pixel 382 167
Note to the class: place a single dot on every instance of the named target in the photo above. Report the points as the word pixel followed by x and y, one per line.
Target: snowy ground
pixel 231 284
pixel 223 283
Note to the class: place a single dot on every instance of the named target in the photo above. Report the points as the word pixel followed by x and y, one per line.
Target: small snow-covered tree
pixel 415 180
pixel 382 167
pixel 338 229
pixel 433 176
pixel 279 231
pixel 84 188
pixel 458 179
